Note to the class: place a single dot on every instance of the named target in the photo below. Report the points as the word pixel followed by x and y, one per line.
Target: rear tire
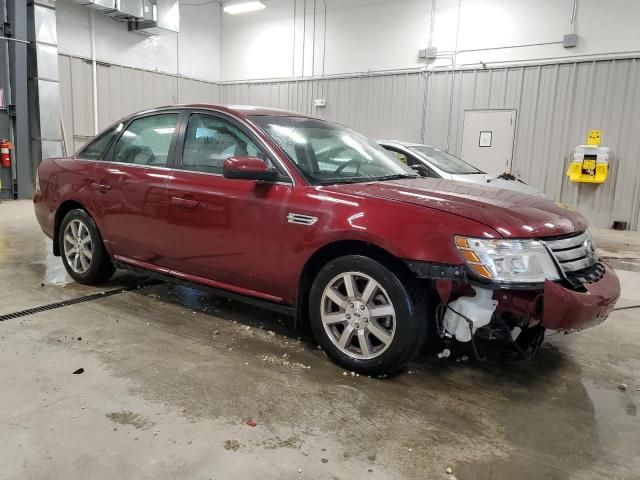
pixel 83 253
pixel 364 316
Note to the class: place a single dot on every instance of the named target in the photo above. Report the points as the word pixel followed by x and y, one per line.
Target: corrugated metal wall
pixel 555 105
pixel 380 106
pixel 121 91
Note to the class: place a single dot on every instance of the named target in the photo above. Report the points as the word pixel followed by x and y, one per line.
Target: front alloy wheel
pixel 358 315
pixel 364 316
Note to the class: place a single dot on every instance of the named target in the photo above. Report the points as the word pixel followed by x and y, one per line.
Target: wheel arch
pixel 341 248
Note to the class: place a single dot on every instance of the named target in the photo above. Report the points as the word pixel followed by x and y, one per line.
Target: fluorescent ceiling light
pixel 242 7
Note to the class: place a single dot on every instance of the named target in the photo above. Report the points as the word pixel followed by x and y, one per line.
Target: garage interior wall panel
pixel 76 101
pixel 123 90
pixel 197 91
pixel 382 106
pixel 555 105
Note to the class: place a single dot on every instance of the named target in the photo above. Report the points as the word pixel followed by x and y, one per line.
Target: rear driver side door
pixel 130 188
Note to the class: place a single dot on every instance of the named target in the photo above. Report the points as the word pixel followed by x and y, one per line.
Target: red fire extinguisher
pixel 5 153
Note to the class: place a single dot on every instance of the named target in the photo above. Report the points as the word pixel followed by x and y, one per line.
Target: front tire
pixel 83 253
pixel 366 319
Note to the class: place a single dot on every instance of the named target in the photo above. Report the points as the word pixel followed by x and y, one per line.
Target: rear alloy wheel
pixel 77 246
pixel 83 252
pixel 364 317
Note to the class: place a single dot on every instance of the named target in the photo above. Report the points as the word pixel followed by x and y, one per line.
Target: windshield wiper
pixel 398 176
pixel 334 181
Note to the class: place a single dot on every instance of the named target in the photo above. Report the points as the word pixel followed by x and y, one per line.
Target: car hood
pixel 510 213
pixel 485 179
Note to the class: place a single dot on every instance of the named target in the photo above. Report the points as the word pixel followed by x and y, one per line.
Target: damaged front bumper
pixel 561 306
pixel 503 312
pixel 569 310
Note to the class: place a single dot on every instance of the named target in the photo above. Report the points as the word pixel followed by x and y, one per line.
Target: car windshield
pixel 445 161
pixel 327 153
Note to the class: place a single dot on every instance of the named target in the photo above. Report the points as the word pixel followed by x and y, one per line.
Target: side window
pixel 420 168
pixel 146 140
pixel 401 157
pixel 431 173
pixel 97 149
pixel 209 141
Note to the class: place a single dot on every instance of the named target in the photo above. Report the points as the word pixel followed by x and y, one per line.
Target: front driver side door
pixel 226 232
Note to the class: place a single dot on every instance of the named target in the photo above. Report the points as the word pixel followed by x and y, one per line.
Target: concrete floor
pixel 171 376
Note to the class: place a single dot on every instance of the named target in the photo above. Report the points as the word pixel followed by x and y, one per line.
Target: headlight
pixel 592 248
pixel 511 261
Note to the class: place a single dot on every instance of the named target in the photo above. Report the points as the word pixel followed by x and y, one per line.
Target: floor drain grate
pixel 66 303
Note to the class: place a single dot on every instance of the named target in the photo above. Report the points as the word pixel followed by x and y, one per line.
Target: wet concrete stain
pixel 277 442
pixel 129 418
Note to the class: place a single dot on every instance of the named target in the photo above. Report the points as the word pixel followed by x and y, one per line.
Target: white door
pixel 487 139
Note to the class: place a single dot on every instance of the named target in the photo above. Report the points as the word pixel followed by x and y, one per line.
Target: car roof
pixel 399 143
pixel 237 110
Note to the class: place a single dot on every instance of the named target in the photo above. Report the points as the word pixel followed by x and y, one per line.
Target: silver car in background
pixel 429 161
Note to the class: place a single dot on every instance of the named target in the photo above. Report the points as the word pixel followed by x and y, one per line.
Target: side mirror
pixel 248 168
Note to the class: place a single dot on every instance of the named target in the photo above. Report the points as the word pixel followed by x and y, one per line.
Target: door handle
pixel 101 187
pixel 184 202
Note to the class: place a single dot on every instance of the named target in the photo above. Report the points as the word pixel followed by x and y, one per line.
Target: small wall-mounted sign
pixel 485 138
pixel 2 105
pixel 593 137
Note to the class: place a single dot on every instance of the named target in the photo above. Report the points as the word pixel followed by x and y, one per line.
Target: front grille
pixel 588 275
pixel 575 253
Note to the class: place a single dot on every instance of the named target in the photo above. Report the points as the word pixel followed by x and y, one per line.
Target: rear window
pixel 146 140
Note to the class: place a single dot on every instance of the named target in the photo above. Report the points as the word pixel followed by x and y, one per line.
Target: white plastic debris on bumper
pixel 478 309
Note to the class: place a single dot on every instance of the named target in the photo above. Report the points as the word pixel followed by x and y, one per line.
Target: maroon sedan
pixel 309 217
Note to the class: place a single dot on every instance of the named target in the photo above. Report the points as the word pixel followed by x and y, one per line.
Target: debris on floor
pixel 78 371
pixel 251 422
pixel 284 361
pixel 232 445
pixel 446 353
pixel 622 387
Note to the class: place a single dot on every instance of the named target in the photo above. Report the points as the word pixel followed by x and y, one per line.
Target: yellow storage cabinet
pixel 590 164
